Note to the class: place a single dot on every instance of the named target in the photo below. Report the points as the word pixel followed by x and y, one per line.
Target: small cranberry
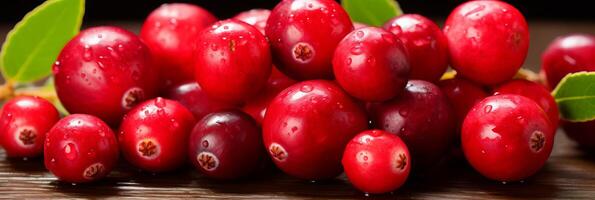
pixel 568 54
pixel 581 132
pixel 193 97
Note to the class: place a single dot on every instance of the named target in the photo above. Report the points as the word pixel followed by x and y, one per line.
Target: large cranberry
pixel 226 145
pixel 568 54
pixel 193 97
pixel 303 35
pixel 581 132
pixel 154 135
pixel 488 40
pixel 170 32
pixel 422 117
pixel 104 71
pixel 371 64
pixel 255 17
pixel 507 137
pixel 80 148
pixel 24 122
pixel 307 126
pixel 423 39
pixel 257 106
pixel 233 61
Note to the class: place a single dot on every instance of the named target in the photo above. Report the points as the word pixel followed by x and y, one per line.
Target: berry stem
pixel 6 91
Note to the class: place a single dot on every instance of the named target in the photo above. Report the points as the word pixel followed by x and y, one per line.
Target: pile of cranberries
pixel 300 87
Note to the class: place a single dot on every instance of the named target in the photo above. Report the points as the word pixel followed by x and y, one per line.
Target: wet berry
pixel 568 54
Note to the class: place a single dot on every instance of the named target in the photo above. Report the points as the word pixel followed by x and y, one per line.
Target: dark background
pixel 12 11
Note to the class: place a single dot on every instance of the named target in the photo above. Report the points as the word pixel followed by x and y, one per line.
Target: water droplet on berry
pixel 487 109
pixel 87 53
pixel 306 88
pixel 160 102
pixel 357 49
pixel 359 34
pixel 70 151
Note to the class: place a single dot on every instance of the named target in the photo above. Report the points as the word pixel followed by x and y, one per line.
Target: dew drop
pixel 365 158
pixel 87 53
pixel 306 88
pixel 83 75
pixel 70 151
pixel 359 34
pixel 357 49
pixel 349 61
pixel 160 102
pixel 294 129
pixel 487 109
pixel 99 35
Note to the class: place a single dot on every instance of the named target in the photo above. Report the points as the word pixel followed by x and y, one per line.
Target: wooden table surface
pixel 569 173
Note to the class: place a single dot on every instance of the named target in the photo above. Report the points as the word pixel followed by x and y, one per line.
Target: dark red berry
pixel 154 135
pixel 233 61
pixel 422 117
pixel 307 126
pixel 24 122
pixel 535 92
pixel 170 32
pixel 104 71
pixel 303 35
pixel 255 17
pixel 376 161
pixel 226 145
pixel 581 132
pixel 193 97
pixel 80 148
pixel 425 43
pixel 507 137
pixel 568 54
pixel 371 64
pixel 488 41
pixel 257 106
pixel 462 95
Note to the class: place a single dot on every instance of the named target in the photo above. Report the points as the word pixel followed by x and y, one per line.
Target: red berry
pixel 170 32
pixel 303 36
pixel 422 117
pixel 80 148
pixel 104 71
pixel 376 161
pixel 255 17
pixel 488 41
pixel 154 135
pixel 535 92
pixel 193 97
pixel 425 43
pixel 568 54
pixel 581 132
pixel 233 61
pixel 307 126
pixel 507 137
pixel 24 122
pixel 257 106
pixel 371 64
pixel 226 145
pixel 462 95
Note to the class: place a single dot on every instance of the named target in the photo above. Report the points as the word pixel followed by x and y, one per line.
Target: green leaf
pixel 372 12
pixel 575 96
pixel 33 45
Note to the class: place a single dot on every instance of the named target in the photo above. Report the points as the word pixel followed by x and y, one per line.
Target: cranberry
pixel 303 36
pixel 507 137
pixel 255 17
pixel 422 117
pixel 170 32
pixel 257 106
pixel 80 148
pixel 568 54
pixel 24 122
pixel 581 132
pixel 376 161
pixel 154 135
pixel 462 95
pixel 488 40
pixel 193 97
pixel 307 126
pixel 104 71
pixel 233 61
pixel 423 39
pixel 226 145
pixel 535 92
pixel 371 64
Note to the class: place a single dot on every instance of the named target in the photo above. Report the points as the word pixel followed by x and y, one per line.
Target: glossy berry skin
pixel 226 145
pixel 170 32
pixel 371 64
pixel 24 122
pixel 257 106
pixel 535 92
pixel 193 97
pixel 425 43
pixel 488 41
pixel 507 137
pixel 80 148
pixel 422 117
pixel 304 34
pixel 568 54
pixel 154 135
pixel 233 61
pixel 376 161
pixel 104 71
pixel 462 95
pixel 582 133
pixel 307 126
pixel 255 17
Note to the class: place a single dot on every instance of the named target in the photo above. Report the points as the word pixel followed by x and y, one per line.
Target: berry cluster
pixel 300 87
